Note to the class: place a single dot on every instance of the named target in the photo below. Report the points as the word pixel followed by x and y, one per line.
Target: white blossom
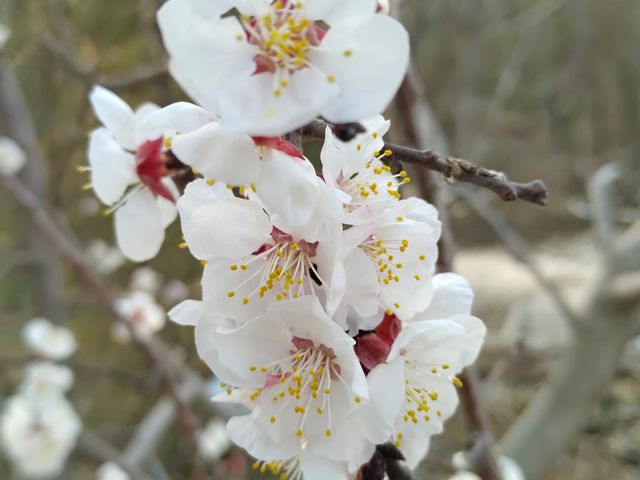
pixel 48 340
pixel 12 157
pixel 431 350
pixel 105 258
pixel 142 312
pixel 129 167
pixel 45 380
pixel 38 437
pixel 275 66
pixel 111 471
pixel 146 279
pixel 252 258
pixel 5 33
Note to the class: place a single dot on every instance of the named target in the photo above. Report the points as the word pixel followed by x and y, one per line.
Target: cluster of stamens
pixel 282 469
pixel 418 399
pixel 284 38
pixel 285 270
pixel 302 382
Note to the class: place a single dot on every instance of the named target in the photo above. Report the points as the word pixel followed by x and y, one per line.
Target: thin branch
pixel 455 169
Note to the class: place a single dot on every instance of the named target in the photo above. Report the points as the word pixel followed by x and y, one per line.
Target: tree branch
pixel 453 169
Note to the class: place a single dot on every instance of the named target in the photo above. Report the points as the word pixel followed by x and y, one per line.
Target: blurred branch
pixel 156 351
pixel 45 274
pixel 609 319
pixel 521 250
pixel 412 103
pixel 100 451
pixel 454 169
pixel 89 75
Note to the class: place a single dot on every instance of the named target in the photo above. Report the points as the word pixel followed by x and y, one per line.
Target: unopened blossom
pixel 146 279
pixel 301 365
pixel 38 437
pixel 141 311
pixel 213 441
pixel 383 6
pixel 362 182
pixel 48 340
pixel 252 259
pixel 130 167
pixel 45 380
pixel 277 65
pixel 389 264
pixel 12 157
pixel 111 471
pixel 431 351
pixel 104 257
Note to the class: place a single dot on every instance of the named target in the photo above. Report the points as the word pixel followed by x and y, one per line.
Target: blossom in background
pixel 130 167
pixel 252 261
pixel 213 440
pixel 174 291
pixel 12 157
pixel 5 33
pixel 146 279
pixel 279 65
pixel 105 258
pixel 43 381
pixel 432 349
pixel 143 314
pixel 38 437
pixel 49 340
pixel 111 471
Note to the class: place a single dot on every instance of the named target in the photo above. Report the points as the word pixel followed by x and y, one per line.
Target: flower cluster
pixel 38 425
pixel 321 309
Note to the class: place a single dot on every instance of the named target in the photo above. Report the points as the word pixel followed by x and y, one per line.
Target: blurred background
pixel 538 89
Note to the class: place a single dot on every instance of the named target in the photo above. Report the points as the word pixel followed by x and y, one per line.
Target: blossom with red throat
pixel 279 64
pixel 129 163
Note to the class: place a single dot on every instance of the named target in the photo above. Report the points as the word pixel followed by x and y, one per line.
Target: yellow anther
pixel 231 294
pixel 327 433
pixel 245 301
pixel 233 268
pixel 182 245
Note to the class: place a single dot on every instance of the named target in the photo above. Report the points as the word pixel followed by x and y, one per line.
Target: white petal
pixel 112 168
pixel 452 295
pixel 315 467
pixel 386 397
pixel 178 118
pixel 204 48
pixel 222 228
pixel 219 155
pixel 168 210
pixel 289 188
pixel 187 313
pixel 366 88
pixel 12 157
pixel 251 106
pixel 246 434
pixel 116 115
pixel 139 226
pixel 362 284
pixel 259 342
pixel 414 450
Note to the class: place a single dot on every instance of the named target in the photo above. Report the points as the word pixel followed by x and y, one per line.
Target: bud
pixel 383 7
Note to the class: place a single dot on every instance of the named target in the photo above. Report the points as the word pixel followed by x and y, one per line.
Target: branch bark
pixel 454 169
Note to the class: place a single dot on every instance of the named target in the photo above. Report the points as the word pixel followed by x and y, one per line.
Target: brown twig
pixel 454 169
pixel 66 248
